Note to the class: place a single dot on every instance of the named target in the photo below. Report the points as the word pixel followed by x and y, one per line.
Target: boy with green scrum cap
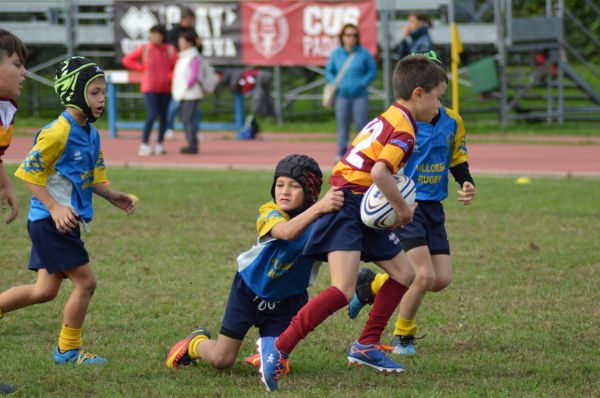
pixel 62 170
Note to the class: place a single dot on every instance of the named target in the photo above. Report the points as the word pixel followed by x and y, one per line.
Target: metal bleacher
pixel 67 22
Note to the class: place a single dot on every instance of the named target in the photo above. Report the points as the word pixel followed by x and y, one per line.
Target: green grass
pixel 520 319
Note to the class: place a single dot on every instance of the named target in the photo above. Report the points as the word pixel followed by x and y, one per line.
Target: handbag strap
pixel 343 70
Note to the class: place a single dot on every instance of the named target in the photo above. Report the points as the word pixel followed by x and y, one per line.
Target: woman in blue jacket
pixel 352 101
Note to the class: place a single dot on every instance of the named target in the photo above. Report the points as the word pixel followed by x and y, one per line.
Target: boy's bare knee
pixel 424 280
pixel 43 295
pixel 223 362
pixel 347 291
pixel 441 282
pixel 88 286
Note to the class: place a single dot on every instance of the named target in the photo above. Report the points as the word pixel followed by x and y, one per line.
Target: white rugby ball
pixel 376 212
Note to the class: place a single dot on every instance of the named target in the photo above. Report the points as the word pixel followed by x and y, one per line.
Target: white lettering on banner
pixel 328 20
pixel 218 48
pixel 322 26
pixel 210 22
pixel 172 16
pixel 319 46
pixel 215 20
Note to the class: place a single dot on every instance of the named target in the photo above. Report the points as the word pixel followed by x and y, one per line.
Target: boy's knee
pixel 441 282
pixel 223 362
pixel 88 285
pixel 43 295
pixel 347 291
pixel 424 280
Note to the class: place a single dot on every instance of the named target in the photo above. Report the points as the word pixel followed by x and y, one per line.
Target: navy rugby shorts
pixel 344 230
pixel 53 250
pixel 245 309
pixel 427 229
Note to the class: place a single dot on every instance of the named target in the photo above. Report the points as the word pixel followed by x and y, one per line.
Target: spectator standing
pixel 352 101
pixel 155 60
pixel 186 24
pixel 186 89
pixel 415 38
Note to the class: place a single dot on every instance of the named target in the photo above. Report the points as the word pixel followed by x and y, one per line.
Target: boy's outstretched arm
pixel 119 199
pixel 292 229
pixel 8 195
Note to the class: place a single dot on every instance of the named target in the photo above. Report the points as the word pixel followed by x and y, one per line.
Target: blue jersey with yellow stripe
pixel 438 147
pixel 66 159
pixel 275 268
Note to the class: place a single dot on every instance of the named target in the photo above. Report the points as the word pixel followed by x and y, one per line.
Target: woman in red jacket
pixel 156 61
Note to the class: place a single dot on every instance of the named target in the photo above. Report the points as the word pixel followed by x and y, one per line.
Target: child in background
pixel 270 285
pixel 441 149
pixel 341 238
pixel 12 76
pixel 62 171
pixel 186 88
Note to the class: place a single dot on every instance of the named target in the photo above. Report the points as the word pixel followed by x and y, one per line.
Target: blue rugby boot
pixel 372 355
pixel 274 365
pixel 404 345
pixel 78 357
pixel 363 294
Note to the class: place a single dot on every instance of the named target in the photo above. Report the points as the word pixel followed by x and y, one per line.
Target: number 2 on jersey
pixel 367 135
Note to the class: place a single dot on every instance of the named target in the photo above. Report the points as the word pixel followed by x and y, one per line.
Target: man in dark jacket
pixel 187 23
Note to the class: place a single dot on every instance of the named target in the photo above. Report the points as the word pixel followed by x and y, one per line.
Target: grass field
pixel 520 319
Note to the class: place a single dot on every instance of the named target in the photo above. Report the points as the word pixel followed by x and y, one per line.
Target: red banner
pixel 302 32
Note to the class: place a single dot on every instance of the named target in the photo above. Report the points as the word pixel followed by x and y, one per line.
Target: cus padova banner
pixel 286 33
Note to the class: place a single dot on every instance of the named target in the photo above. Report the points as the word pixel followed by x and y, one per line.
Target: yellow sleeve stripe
pixel 6 135
pixel 269 215
pixel 459 152
pixel 48 148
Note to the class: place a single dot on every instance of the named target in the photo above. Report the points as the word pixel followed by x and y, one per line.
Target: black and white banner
pixel 217 24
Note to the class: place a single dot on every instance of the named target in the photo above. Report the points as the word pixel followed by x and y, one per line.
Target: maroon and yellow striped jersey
pixel 389 138
pixel 8 108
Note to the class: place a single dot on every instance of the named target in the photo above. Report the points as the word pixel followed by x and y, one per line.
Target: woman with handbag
pixel 349 71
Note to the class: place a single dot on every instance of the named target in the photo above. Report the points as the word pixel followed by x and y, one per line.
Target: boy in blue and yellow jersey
pixel 270 285
pixel 440 149
pixel 376 154
pixel 62 171
pixel 12 76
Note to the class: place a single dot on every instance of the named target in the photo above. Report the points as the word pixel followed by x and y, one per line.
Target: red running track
pixel 223 151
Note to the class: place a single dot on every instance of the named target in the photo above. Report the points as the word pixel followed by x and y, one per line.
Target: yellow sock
pixel 193 346
pixel 69 339
pixel 378 282
pixel 405 327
